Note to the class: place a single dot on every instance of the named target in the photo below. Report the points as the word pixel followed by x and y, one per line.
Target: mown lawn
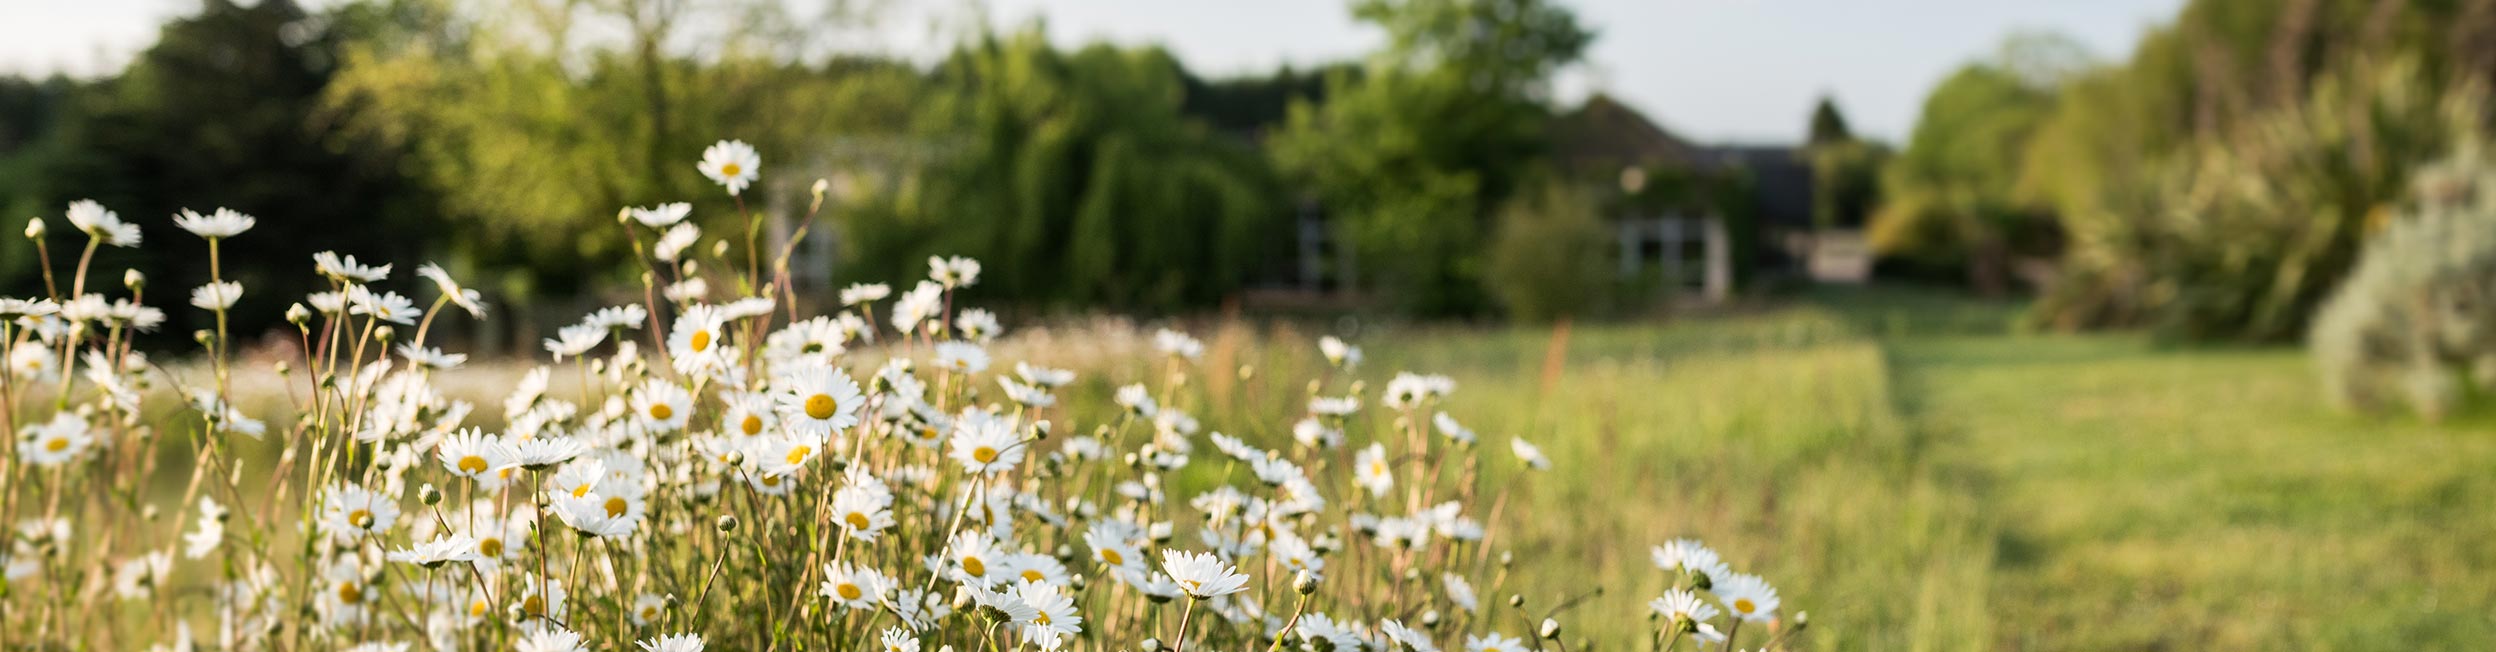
pixel 1918 478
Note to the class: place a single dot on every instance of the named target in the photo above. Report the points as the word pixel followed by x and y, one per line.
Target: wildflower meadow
pixel 714 467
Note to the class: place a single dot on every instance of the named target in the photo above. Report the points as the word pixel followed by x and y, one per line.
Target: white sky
pixel 1711 70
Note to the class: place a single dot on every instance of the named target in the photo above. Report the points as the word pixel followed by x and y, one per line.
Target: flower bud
pixel 1430 619
pixel 1516 600
pixel 34 228
pixel 734 458
pixel 1149 645
pixel 298 315
pixel 1305 582
pixel 624 215
pixel 132 279
pixel 1550 630
pixel 1247 372
pixel 817 190
pixel 727 523
pixel 383 334
pixel 204 336
pixel 430 495
pixel 719 248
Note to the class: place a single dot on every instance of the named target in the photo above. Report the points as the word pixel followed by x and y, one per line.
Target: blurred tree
pixel 1412 155
pixel 32 113
pixel 1950 194
pixel 224 111
pixel 1827 125
pixel 1077 179
pixel 1550 257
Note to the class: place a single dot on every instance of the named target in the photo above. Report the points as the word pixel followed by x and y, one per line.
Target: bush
pixel 2419 314
pixel 1549 257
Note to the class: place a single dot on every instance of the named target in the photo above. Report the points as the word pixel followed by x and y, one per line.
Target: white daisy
pixel 350 511
pixel 662 406
pixel 58 441
pixel 858 293
pixel 854 587
pixel 661 215
pixel 731 163
pixel 1202 575
pixel 673 643
pixel 467 299
pixel 1746 597
pixel 102 224
pixel 985 443
pixel 961 357
pixel 223 223
pixel 1528 453
pixel 217 296
pixel 820 400
pixel 694 343
pixel 1174 343
pixel 443 549
pixel 1053 618
pixel 1371 471
pixel 1682 605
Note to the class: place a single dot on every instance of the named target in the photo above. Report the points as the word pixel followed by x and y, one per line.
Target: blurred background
pixel 2133 324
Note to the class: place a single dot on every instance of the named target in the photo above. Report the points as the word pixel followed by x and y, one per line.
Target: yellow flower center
pixel 730 169
pixel 984 454
pixel 752 425
pixel 1113 557
pixel 1034 576
pixel 472 464
pixel 477 608
pixel 490 547
pixel 361 518
pixel 616 506
pixel 771 481
pixel 661 411
pixel 849 591
pixel 56 444
pixel 974 566
pixel 649 613
pixel 701 341
pixel 857 520
pixel 582 491
pixel 1041 618
pixel 1744 605
pixel 798 454
pixel 350 593
pixel 533 605
pixel 821 406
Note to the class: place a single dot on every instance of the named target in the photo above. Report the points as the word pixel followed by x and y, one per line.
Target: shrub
pixel 1550 257
pixel 2419 314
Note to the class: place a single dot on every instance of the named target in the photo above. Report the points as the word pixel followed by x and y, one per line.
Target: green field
pixel 1917 479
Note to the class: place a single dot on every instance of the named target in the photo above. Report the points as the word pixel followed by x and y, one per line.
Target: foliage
pixel 1410 158
pixel 1076 174
pixel 2243 236
pixel 2418 314
pixel 223 111
pixel 1950 200
pixel 1550 257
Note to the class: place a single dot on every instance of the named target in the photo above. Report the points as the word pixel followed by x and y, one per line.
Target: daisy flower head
pixel 575 340
pixel 695 342
pixel 1447 425
pixel 351 511
pixel 431 358
pixel 102 224
pixel 647 608
pixel 1312 433
pixel 222 223
pixel 1409 638
pixel 385 306
pixel 748 415
pixel 732 164
pixel 1681 605
pixel 58 441
pixel 897 639
pixel 1689 556
pixel 1002 605
pixel 467 299
pixel 1137 400
pixel 786 455
pixel 920 304
pixel 955 272
pixel 551 638
pixel 606 517
pixel 199 543
pixel 475 455
pixel 985 443
pixel 961 357
pixel 1026 395
pixel 1371 470
pixel 346 268
pixel 219 295
pixel 1529 453
pixel 820 399
pixel 1201 575
pixel 443 549
pixel 1339 353
pixel 673 643
pixel 667 214
pixel 1043 376
pixel 1177 344
pixel 863 513
pixel 1053 618
pixel 978 325
pixel 862 293
pixel 1494 642
pixel 1747 597
pixel 853 586
pixel 662 406
pixel 629 315
pixel 538 453
pixel 674 241
pixel 1460 592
